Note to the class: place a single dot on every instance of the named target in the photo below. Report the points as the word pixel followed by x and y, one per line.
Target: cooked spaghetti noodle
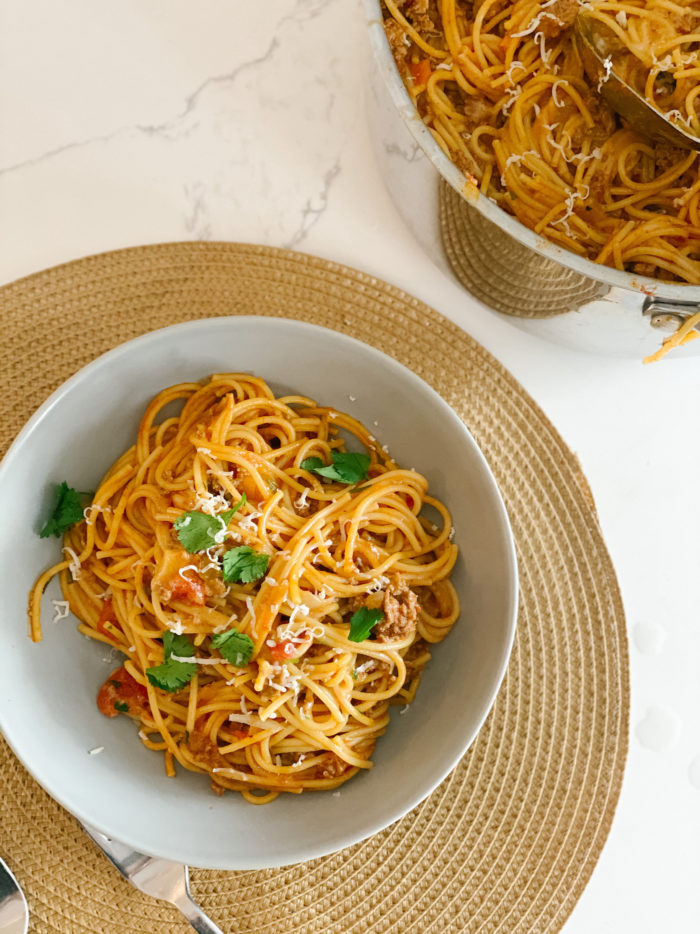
pixel 305 711
pixel 503 90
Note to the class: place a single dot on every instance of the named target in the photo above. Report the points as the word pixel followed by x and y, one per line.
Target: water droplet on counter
pixel 694 772
pixel 649 638
pixel 659 729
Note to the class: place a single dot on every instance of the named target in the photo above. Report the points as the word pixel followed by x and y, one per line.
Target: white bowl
pixel 47 691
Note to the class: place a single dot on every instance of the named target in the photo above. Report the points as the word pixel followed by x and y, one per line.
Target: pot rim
pixel 653 288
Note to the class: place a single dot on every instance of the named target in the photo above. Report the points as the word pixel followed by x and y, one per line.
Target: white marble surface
pixel 137 121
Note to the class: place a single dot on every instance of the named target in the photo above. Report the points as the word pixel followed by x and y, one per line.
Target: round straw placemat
pixel 503 273
pixel 510 838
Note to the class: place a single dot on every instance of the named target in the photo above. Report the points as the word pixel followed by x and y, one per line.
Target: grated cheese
pixel 248 523
pixel 88 512
pixel 197 661
pixel 61 608
pixel 379 584
pixel 251 608
pixel 74 566
pixel 251 720
pixel 515 159
pixel 299 609
pixel 608 66
pixel 513 95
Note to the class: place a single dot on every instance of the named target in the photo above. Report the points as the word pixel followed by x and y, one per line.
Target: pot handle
pixel 666 314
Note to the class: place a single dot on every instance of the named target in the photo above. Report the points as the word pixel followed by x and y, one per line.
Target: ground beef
pixel 400 605
pixel 602 177
pixel 465 163
pixel 398 45
pixel 604 123
pixel 417 12
pixel 684 23
pixel 331 766
pixel 667 156
pixel 414 652
pixel 558 17
pixel 476 111
pixel 204 752
pixel 288 758
pixel 644 269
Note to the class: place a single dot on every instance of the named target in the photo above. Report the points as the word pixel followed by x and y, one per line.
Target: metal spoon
pixel 623 99
pixel 14 914
pixel 159 878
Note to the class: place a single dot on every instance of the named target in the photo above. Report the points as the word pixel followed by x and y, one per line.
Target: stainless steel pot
pixel 636 310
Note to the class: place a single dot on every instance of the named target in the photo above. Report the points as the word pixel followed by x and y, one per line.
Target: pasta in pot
pixel 272 593
pixel 503 90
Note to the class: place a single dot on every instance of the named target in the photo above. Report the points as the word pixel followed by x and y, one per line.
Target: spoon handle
pixel 196 917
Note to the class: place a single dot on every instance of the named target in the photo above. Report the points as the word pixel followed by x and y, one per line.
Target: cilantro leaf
pixel 197 531
pixel 346 466
pixel 121 706
pixel 236 647
pixel 173 675
pixel 311 463
pixel 244 565
pixel 66 512
pixel 177 644
pixel 362 623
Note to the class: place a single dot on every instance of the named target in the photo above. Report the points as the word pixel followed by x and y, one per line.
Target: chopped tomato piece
pixel 420 71
pixel 284 650
pixel 122 694
pixel 188 587
pixel 246 484
pixel 107 615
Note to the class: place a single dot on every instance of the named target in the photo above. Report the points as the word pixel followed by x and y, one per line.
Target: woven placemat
pixel 503 273
pixel 510 838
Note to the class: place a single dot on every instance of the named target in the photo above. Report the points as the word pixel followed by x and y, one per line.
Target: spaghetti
pixel 503 90
pixel 296 601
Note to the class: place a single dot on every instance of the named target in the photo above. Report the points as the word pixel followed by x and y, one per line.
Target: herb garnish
pixel 121 706
pixel 173 675
pixel 236 647
pixel 198 531
pixel 66 512
pixel 362 623
pixel 346 466
pixel 244 565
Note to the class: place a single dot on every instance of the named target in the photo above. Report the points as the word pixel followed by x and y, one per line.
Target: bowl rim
pixel 500 517
pixel 615 278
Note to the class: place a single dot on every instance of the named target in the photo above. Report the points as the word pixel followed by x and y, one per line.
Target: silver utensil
pixel 14 914
pixel 160 878
pixel 623 99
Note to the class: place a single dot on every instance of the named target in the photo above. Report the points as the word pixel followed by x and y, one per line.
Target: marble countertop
pixel 143 121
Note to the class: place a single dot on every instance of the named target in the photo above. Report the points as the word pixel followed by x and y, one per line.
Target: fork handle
pixel 194 914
